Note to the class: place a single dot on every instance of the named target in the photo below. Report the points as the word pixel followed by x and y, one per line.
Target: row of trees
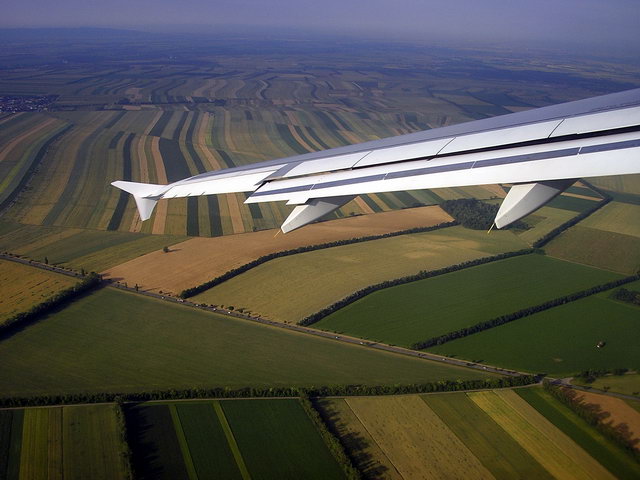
pixel 594 416
pixel 333 443
pixel 423 274
pixel 590 375
pixel 267 392
pixel 541 242
pixel 510 317
pixel 190 292
pixel 23 319
pixel 475 214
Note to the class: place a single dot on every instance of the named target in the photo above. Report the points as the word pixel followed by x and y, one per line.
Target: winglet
pixel 146 195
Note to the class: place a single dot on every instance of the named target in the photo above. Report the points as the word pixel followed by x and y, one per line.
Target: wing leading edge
pixel 541 151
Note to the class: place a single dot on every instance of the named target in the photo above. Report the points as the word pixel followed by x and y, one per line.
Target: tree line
pixel 269 392
pixel 510 317
pixel 190 292
pixel 421 275
pixel 595 417
pixel 331 441
pixel 475 214
pixel 23 319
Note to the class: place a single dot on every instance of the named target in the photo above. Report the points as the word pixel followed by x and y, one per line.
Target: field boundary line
pixel 182 440
pixel 231 440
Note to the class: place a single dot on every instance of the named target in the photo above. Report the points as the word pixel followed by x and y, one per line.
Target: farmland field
pixel 555 451
pixel 420 310
pixel 626 384
pixel 198 260
pixel 294 287
pixel 112 330
pixel 560 341
pixel 616 217
pixel 608 453
pixel 398 426
pixel 62 442
pixel 620 412
pixel 277 440
pixel 24 287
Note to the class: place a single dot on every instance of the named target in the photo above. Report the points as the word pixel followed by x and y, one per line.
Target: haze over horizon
pixel 590 24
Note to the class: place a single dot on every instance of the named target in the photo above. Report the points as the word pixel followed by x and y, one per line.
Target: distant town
pixel 26 103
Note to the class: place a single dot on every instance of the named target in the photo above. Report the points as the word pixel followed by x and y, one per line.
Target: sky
pixel 605 23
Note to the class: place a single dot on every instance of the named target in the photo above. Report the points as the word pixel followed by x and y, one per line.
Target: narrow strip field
pixel 556 452
pixel 398 425
pixel 609 454
pixel 560 341
pixel 424 309
pixel 24 287
pixel 198 260
pixel 171 346
pixel 296 286
pixel 76 442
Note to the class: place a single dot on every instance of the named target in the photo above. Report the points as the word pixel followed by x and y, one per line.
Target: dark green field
pixel 278 441
pixel 131 343
pixel 612 457
pixel 409 313
pixel 560 341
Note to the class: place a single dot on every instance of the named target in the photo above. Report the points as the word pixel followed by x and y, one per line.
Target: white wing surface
pixel 541 151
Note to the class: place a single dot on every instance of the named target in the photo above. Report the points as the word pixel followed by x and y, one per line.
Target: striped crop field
pixel 234 439
pixel 326 276
pixel 24 286
pixel 560 341
pixel 199 260
pixel 406 314
pixel 112 330
pixel 549 446
pixel 610 455
pixel 75 442
pixel 399 426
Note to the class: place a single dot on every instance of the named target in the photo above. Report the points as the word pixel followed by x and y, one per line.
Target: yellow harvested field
pixel 370 458
pixel 290 288
pixel 616 217
pixel 555 451
pixel 198 260
pixel 621 412
pixel 415 440
pixel 24 286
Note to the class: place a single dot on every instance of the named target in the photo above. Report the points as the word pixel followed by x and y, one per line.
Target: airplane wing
pixel 541 152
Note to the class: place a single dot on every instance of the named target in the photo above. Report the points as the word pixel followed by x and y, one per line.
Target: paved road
pixel 43 266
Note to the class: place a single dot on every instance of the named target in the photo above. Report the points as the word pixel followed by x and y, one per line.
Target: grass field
pixel 626 384
pixel 616 217
pixel 398 426
pixel 612 457
pixel 496 449
pixel 198 260
pixel 420 310
pixel 76 442
pixel 277 440
pixel 555 451
pixel 24 287
pixel 599 248
pixel 561 341
pixel 542 221
pixel 112 330
pixel 294 287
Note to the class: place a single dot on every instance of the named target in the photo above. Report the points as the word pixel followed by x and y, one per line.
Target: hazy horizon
pixel 590 24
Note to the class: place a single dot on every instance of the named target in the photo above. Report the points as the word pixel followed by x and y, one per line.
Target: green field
pixel 296 286
pixel 76 442
pixel 611 456
pixel 420 310
pixel 131 343
pixel 278 440
pixel 495 448
pixel 561 341
pixel 616 217
pixel 628 384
